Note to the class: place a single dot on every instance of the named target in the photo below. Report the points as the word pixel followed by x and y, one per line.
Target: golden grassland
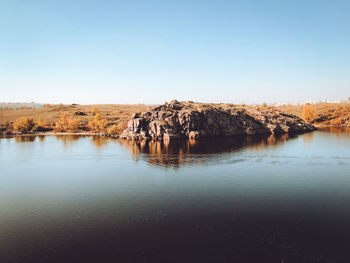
pixel 69 118
pixel 321 114
pixel 112 118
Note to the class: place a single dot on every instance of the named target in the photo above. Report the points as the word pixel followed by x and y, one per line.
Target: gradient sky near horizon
pixel 150 52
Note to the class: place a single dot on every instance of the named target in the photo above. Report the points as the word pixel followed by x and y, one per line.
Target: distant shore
pixel 111 119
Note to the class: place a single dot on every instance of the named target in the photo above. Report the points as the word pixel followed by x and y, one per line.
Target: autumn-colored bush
pixel 308 113
pixel 98 124
pixel 98 116
pixel 62 123
pixel 40 126
pixel 73 124
pixel 337 122
pixel 94 110
pixel 24 124
pixel 116 129
pixel 41 122
pixel 67 124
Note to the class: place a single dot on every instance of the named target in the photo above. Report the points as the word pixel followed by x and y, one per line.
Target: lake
pixel 244 199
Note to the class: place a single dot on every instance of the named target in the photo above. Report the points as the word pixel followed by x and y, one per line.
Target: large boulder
pixel 176 120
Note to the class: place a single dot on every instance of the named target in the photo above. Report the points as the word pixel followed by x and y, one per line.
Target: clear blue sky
pixel 154 51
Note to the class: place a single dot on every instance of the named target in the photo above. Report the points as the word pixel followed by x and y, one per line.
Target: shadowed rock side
pixel 176 120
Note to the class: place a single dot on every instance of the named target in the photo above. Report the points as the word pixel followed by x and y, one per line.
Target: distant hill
pixel 15 105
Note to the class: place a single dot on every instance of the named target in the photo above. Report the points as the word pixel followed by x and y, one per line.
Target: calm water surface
pixel 87 199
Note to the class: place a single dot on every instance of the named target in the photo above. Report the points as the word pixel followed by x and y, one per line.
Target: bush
pixel 61 124
pixel 113 130
pixel 67 124
pixel 308 113
pixel 73 124
pixel 98 116
pixel 337 122
pixel 116 129
pixel 24 124
pixel 41 122
pixel 41 126
pixel 98 124
pixel 94 110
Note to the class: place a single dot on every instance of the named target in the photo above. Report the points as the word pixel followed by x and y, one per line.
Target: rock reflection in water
pixel 195 152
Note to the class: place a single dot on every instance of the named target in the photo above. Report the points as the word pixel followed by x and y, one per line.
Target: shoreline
pixel 117 136
pixel 61 133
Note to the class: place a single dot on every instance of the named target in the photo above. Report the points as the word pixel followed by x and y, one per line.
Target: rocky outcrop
pixel 195 120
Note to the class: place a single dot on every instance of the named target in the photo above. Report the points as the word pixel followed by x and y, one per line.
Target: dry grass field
pixel 326 114
pixel 52 113
pixel 116 114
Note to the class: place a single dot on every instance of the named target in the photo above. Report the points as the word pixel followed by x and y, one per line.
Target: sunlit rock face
pixel 191 120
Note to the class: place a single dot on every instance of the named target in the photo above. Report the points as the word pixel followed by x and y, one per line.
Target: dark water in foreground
pixel 74 199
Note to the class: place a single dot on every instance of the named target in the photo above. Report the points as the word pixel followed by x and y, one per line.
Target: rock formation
pixel 195 120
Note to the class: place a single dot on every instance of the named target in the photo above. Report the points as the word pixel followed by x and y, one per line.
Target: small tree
pixel 73 124
pixel 308 113
pixel 94 110
pixel 116 128
pixel 98 124
pixel 67 124
pixel 41 122
pixel 24 124
pixel 98 116
pixel 62 124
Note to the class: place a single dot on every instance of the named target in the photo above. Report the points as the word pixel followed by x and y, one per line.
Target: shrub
pixel 308 113
pixel 73 124
pixel 24 124
pixel 59 127
pixel 94 110
pixel 98 116
pixel 337 122
pixel 98 124
pixel 115 129
pixel 41 122
pixel 67 124
pixel 41 126
pixel 112 129
pixel 61 124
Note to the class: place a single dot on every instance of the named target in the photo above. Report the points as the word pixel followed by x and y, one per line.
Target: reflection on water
pixel 100 141
pixel 67 139
pixel 25 138
pixel 243 199
pixel 181 152
pixel 336 130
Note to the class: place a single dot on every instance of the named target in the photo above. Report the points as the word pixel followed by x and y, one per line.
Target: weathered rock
pixel 195 120
pixel 80 113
